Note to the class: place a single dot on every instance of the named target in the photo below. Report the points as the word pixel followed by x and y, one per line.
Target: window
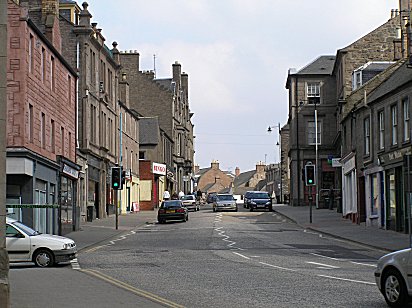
pixel 356 79
pixel 312 133
pixel 52 136
pixel 70 144
pixel 406 128
pixel 394 113
pixel 31 119
pixel 31 50
pixel 366 133
pixel 313 92
pixel 374 194
pixel 141 154
pixel 92 67
pixel 52 74
pixel 62 140
pixel 69 89
pixel 93 123
pixel 43 130
pixel 43 64
pixel 381 121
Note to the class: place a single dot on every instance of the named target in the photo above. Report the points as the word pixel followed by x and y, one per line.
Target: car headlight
pixel 268 202
pixel 67 246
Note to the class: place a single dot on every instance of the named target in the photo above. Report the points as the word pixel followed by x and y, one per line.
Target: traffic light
pixel 310 178
pixel 123 177
pixel 117 178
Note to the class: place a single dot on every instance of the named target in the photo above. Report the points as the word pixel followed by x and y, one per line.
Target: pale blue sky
pixel 237 54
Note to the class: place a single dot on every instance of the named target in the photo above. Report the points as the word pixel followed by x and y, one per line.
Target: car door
pixel 17 244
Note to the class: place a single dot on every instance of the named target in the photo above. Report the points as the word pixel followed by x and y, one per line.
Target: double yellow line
pixel 125 286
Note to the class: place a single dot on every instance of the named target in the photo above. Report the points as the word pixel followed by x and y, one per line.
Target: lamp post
pixel 278 143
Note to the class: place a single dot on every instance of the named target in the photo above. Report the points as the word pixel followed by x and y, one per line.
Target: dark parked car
pixel 257 200
pixel 172 210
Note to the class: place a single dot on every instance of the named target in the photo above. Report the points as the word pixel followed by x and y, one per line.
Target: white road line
pixel 323 265
pixel 279 267
pixel 240 255
pixel 365 264
pixel 344 279
pixel 75 264
pixel 318 255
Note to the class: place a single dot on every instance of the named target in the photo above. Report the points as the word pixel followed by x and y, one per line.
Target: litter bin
pixel 90 209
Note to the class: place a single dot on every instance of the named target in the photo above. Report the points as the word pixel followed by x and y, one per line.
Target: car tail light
pixel 162 211
pixel 180 210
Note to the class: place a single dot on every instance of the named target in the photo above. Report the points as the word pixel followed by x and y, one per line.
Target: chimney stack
pixel 260 167
pixel 237 171
pixel 215 165
pixel 177 71
pixel 50 18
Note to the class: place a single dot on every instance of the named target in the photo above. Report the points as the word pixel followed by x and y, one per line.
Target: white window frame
pixel 381 119
pixel 394 117
pixel 406 118
pixel 311 133
pixel 367 135
pixel 313 92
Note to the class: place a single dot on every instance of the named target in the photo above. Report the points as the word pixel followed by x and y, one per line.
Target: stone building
pixel 249 180
pixel 213 179
pixel 98 109
pixel 168 100
pixel 41 120
pixel 311 89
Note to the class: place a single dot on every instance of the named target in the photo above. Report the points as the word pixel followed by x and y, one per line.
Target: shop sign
pixel 70 171
pixel 336 162
pixel 159 169
pixel 348 166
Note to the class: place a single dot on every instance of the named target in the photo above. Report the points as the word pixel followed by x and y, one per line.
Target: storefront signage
pixel 336 162
pixel 348 166
pixel 70 171
pixel 159 169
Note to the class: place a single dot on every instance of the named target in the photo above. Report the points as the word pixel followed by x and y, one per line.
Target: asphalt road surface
pixel 237 259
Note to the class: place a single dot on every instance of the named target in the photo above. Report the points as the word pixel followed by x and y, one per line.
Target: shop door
pixel 361 200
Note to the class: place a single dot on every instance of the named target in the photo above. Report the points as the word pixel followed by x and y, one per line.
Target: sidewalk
pixel 61 286
pixel 331 223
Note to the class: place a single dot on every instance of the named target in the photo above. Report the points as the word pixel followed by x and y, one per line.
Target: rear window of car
pixel 260 196
pixel 169 204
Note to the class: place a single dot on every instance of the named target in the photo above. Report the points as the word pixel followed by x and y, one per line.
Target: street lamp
pixel 316 153
pixel 278 143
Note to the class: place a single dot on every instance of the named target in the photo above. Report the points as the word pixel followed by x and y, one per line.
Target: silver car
pixel 224 202
pixel 393 276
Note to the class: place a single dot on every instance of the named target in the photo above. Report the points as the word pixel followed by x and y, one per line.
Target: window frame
pixel 313 92
pixel 310 132
pixel 367 136
pixel 394 124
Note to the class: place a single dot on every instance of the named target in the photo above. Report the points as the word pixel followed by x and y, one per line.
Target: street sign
pixel 336 162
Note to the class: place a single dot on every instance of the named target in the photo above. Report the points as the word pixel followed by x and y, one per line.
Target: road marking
pixel 240 255
pixel 322 256
pixel 125 286
pixel 365 264
pixel 323 265
pixel 75 264
pixel 350 280
pixel 278 267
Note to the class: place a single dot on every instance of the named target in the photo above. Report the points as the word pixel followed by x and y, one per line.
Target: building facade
pixel 42 173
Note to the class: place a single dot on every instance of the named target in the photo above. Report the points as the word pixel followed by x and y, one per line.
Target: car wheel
pixel 161 221
pixel 43 258
pixel 394 289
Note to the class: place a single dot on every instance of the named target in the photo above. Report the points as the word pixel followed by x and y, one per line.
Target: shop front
pixel 159 173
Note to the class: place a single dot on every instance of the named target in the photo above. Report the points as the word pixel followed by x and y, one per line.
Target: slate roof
pixel 243 178
pixel 320 66
pixel 148 131
pixel 398 78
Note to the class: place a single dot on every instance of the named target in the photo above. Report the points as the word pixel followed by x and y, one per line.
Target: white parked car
pixel 24 244
pixel 393 276
pixel 189 201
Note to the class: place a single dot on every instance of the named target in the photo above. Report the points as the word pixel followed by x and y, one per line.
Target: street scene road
pixel 243 259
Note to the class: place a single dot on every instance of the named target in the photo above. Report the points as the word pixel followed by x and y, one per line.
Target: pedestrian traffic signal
pixel 117 178
pixel 310 178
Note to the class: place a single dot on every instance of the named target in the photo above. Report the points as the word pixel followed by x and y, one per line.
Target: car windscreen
pixel 260 196
pixel 188 197
pixel 170 204
pixel 25 229
pixel 224 197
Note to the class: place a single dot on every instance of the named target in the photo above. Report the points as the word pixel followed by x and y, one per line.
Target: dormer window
pixel 357 80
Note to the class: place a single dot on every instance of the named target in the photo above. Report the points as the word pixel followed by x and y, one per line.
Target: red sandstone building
pixel 41 121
